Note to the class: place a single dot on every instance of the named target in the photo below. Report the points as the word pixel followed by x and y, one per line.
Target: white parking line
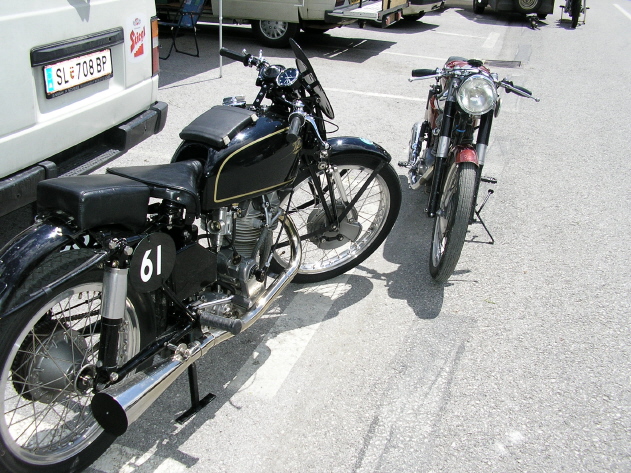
pixel 375 94
pixel 623 11
pixel 263 374
pixel 415 55
pixel 491 40
pixel 458 34
pixel 121 459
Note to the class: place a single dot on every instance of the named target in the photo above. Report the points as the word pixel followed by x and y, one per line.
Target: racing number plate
pixel 72 74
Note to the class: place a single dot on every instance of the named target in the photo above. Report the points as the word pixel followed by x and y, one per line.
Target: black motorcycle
pixel 127 278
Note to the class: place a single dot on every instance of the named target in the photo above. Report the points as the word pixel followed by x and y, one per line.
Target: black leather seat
pixel 218 126
pixel 96 200
pixel 176 182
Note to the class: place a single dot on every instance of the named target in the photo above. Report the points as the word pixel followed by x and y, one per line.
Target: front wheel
pixel 275 34
pixel 48 356
pixel 452 220
pixel 576 12
pixel 329 253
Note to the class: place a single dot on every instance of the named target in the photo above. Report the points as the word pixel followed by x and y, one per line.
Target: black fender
pixel 22 254
pixel 352 144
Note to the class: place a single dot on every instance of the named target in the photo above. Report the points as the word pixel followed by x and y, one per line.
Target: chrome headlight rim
pixel 485 92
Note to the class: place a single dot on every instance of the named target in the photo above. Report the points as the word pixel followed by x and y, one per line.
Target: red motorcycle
pixel 445 155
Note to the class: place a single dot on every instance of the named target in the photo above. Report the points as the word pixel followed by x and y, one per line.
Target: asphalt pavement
pixel 521 362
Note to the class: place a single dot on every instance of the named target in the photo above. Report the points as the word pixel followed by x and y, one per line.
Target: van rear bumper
pixel 20 189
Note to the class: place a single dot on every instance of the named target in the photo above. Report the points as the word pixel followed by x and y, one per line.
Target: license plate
pixel 72 74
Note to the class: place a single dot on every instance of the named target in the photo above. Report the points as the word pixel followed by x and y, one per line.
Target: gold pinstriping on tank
pixel 236 152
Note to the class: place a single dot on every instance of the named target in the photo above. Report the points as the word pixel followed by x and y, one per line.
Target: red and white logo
pixel 136 37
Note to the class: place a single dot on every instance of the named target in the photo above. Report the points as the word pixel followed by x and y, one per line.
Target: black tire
pixel 479 6
pixel 450 228
pixel 275 34
pixel 311 30
pixel 47 425
pixel 576 12
pixel 527 6
pixel 415 17
pixel 365 227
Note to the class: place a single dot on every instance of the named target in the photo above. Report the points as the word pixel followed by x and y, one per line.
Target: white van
pixel 79 88
pixel 274 22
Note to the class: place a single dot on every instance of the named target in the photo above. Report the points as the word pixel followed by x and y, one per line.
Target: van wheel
pixel 527 6
pixel 478 6
pixel 275 34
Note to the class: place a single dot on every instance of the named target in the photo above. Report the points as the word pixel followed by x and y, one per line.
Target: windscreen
pixel 308 75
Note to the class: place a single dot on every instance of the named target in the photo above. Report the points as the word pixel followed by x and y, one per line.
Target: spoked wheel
pixel 576 12
pixel 327 253
pixel 452 220
pixel 48 357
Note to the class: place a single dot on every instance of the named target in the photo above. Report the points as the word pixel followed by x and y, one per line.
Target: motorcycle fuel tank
pixel 257 160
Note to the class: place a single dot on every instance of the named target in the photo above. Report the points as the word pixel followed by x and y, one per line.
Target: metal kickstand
pixel 197 404
pixel 490 180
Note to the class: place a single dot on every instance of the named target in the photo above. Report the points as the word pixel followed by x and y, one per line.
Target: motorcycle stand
pixel 197 404
pixel 490 180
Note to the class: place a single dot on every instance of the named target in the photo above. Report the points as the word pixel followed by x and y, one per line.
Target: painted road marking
pixel 623 11
pixel 121 459
pixel 375 94
pixel 491 40
pixel 265 372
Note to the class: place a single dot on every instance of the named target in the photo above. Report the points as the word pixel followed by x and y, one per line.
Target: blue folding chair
pixel 185 19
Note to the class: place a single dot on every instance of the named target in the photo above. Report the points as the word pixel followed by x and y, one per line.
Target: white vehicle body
pixel 80 84
pixel 274 22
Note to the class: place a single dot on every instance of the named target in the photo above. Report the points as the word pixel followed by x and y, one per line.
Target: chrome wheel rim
pixel 274 29
pixel 439 242
pixel 370 212
pixel 52 428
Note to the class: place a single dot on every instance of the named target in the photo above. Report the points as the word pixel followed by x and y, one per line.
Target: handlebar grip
pixel 295 125
pixel 244 58
pixel 522 89
pixel 423 72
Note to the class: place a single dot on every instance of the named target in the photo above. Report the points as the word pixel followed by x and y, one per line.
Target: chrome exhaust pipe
pixel 118 406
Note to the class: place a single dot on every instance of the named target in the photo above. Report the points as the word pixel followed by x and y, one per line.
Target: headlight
pixel 477 95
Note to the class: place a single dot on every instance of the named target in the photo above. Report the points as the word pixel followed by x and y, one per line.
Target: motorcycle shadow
pixel 242 370
pixel 408 246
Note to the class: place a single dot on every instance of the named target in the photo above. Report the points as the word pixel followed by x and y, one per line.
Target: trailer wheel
pixel 275 34
pixel 527 6
pixel 479 6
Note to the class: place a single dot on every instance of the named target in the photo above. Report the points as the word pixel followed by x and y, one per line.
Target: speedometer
pixel 288 77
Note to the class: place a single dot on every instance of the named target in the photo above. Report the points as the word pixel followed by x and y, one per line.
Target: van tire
pixel 275 34
pixel 479 6
pixel 528 6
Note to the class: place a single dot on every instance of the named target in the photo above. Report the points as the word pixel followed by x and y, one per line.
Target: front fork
pixel 442 153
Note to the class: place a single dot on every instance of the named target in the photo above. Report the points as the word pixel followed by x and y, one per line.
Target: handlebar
pixel 296 120
pixel 241 57
pixel 521 91
pixel 424 72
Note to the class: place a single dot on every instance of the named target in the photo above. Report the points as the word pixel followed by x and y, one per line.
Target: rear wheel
pixel 275 34
pixel 452 220
pixel 327 254
pixel 48 357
